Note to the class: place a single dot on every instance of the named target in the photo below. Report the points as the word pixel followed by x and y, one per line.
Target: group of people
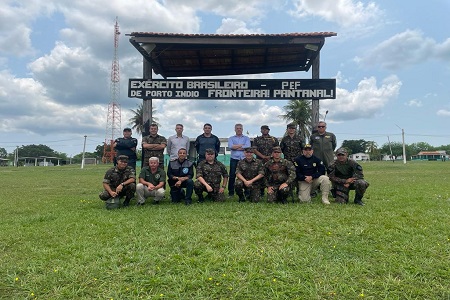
pixel 279 168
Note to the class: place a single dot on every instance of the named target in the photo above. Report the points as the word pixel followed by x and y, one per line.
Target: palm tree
pixel 137 119
pixel 299 112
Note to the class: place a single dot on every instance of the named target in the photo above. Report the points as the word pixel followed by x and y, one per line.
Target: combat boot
pixel 358 200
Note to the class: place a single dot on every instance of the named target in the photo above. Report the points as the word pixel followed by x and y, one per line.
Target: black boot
pixel 200 198
pixel 358 200
pixel 126 202
pixel 241 198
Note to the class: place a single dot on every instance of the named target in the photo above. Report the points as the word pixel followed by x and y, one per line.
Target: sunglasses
pixel 320 126
pixel 341 154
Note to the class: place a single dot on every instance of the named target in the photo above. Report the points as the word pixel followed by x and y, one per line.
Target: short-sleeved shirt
pixel 126 147
pixel 291 146
pixel 153 178
pixel 157 139
pixel 265 144
pixel 115 176
pixel 212 173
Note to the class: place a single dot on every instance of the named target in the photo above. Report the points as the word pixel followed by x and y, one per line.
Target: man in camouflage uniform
pixel 249 173
pixel 346 174
pixel 291 144
pixel 209 175
pixel 119 181
pixel 279 175
pixel 263 146
pixel 153 145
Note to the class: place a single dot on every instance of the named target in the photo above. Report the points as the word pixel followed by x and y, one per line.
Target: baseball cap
pixel 127 129
pixel 248 149
pixel 341 150
pixel 276 149
pixel 307 146
pixel 265 127
pixel 122 158
pixel 291 125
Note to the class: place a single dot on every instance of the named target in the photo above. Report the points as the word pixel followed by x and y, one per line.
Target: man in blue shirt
pixel 237 143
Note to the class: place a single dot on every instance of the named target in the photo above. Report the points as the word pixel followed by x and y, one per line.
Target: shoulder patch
pixel 358 167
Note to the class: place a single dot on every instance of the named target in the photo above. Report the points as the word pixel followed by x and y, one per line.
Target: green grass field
pixel 58 242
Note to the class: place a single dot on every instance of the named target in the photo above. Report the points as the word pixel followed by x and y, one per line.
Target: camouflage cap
pixel 248 149
pixel 122 158
pixel 291 125
pixel 265 127
pixel 276 149
pixel 341 150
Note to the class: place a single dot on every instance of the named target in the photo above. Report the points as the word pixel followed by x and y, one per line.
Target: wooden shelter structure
pixel 187 55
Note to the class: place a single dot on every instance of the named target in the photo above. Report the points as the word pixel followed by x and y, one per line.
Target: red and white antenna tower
pixel 113 122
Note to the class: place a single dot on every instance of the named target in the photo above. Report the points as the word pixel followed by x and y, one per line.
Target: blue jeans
pixel 232 178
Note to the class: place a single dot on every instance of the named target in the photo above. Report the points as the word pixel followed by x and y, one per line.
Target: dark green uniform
pixel 265 144
pixel 291 146
pixel 212 174
pixel 249 170
pixel 340 172
pixel 158 139
pixel 114 177
pixel 277 173
pixel 323 146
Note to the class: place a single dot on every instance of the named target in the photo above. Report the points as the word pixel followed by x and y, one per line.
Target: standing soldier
pixel 263 146
pixel 279 175
pixel 292 143
pixel 127 146
pixel 153 145
pixel 209 175
pixel 346 174
pixel 249 172
pixel 323 143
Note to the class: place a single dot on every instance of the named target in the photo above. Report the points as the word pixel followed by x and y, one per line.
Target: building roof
pixel 185 55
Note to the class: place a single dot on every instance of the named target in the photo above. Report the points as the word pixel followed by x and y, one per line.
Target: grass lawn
pixel 57 241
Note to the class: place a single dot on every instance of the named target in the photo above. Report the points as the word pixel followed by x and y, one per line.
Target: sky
pixel 391 61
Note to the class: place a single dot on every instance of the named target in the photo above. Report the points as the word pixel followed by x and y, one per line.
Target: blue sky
pixel 391 60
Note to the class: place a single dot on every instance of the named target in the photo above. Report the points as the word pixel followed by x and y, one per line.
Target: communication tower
pixel 113 121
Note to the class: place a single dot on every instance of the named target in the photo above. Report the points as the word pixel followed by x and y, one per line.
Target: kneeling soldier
pixel 249 172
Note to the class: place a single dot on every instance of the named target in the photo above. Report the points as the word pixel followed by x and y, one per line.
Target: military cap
pixel 265 127
pixel 341 150
pixel 127 129
pixel 307 146
pixel 291 125
pixel 210 151
pixel 276 149
pixel 248 149
pixel 122 158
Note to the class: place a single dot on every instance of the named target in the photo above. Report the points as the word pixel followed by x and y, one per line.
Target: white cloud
pixel 233 26
pixel 346 13
pixel 366 101
pixel 414 102
pixel 405 49
pixel 443 113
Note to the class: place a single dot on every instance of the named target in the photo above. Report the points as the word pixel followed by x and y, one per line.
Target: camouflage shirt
pixel 340 172
pixel 264 144
pixel 212 173
pixel 250 169
pixel 291 146
pixel 158 139
pixel 115 176
pixel 277 173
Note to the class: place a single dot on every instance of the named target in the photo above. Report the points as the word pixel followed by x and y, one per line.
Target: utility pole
pixel 84 149
pixel 403 142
